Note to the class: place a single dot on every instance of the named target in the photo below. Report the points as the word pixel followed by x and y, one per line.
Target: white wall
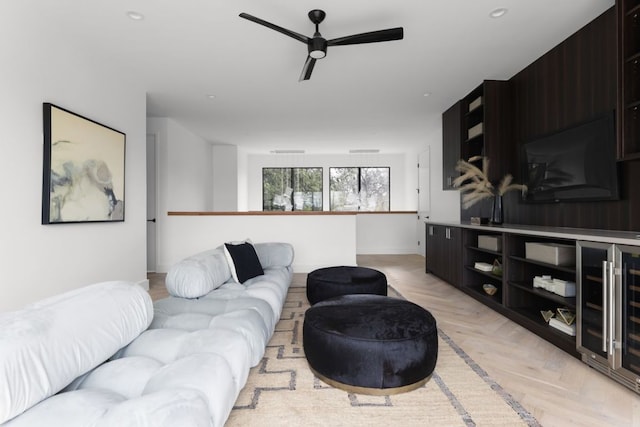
pixel 225 178
pixel 386 233
pixel 185 177
pixel 37 260
pixel 184 168
pixel 403 173
pixel 445 205
pixel 318 240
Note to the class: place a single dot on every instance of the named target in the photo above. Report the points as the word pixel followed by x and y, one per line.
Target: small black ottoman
pixel 330 282
pixel 370 344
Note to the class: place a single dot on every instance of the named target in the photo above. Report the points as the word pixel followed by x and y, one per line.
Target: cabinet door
pixel 444 250
pixel 451 143
pixel 433 252
pixel 453 255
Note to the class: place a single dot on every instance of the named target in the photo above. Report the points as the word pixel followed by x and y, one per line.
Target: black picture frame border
pixel 47 158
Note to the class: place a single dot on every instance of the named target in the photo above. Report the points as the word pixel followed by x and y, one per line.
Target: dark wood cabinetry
pixel 451 144
pixel 628 16
pixel 515 297
pixel 444 252
pixel 473 279
pixel 487 125
pixel 478 125
pixel 525 301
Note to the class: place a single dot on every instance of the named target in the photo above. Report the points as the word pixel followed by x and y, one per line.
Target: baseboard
pixel 144 283
pixel 388 251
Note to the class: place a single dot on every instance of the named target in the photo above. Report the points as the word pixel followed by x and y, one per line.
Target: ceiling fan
pixel 317 45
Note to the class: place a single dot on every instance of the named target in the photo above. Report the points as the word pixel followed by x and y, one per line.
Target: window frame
pixel 359 168
pixel 292 177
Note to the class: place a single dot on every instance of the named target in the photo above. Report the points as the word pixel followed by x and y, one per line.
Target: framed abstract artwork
pixel 83 173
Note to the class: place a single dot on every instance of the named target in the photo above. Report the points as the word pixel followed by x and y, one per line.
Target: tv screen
pixel 574 164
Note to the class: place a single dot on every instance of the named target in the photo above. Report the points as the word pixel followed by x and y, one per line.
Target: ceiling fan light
pixel 317 54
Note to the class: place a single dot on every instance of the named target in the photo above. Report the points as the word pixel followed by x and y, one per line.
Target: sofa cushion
pixel 243 261
pixel 198 275
pixel 274 254
pixel 46 345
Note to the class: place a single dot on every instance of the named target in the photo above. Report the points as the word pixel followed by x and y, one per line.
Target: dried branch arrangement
pixel 474 182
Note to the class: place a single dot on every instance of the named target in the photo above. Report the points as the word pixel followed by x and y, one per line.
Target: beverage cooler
pixel 608 305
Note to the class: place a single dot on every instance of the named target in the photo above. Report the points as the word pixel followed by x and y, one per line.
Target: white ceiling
pixel 360 96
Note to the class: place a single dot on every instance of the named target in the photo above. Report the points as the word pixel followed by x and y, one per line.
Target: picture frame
pixel 83 169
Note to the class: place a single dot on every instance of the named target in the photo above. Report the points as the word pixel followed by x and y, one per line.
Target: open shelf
pixel 483 273
pixel 486 251
pixel 536 319
pixel 543 293
pixel 565 269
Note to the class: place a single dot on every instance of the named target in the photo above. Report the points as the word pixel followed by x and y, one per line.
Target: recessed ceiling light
pixel 497 13
pixel 211 96
pixel 427 94
pixel 136 16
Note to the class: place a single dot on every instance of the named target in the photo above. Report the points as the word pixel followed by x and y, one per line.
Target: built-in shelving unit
pixel 516 297
pixel 474 279
pixel 451 144
pixel 629 78
pixel 526 301
pixel 474 126
pixel 478 125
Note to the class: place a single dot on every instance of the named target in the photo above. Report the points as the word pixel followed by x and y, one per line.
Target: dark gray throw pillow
pixel 243 261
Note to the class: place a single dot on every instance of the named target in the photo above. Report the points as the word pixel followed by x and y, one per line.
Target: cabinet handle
pixel 612 309
pixel 605 306
pixel 431 230
pixel 447 233
pixel 449 181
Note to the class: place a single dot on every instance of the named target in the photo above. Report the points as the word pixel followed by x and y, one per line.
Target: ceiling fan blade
pixel 370 37
pixel 307 69
pixel 293 34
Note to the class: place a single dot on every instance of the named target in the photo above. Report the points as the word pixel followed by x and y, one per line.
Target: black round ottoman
pixel 330 282
pixel 370 344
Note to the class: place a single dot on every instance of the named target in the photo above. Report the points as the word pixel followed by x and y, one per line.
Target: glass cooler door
pixel 630 262
pixel 592 327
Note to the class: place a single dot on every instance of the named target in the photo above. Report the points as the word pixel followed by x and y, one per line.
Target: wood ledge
pixel 280 213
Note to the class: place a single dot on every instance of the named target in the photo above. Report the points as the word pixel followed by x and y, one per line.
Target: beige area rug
pixel 282 391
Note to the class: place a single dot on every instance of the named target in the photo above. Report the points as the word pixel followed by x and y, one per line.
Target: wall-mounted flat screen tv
pixel 574 164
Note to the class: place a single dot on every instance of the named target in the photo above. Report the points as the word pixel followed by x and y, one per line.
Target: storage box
pixel 483 266
pixel 475 131
pixel 491 243
pixel 560 287
pixel 475 103
pixel 563 327
pixel 551 253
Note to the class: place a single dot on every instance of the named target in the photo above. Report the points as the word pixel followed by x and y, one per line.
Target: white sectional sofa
pixel 104 355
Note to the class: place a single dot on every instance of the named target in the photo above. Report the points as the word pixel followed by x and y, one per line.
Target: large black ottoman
pixel 330 282
pixel 370 344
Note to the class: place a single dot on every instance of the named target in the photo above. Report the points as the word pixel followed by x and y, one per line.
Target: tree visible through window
pixel 292 189
pixel 359 189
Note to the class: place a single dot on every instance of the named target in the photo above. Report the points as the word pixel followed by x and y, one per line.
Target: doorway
pixel 151 203
pixel 424 197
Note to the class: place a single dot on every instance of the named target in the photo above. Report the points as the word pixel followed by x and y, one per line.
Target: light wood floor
pixel 558 389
